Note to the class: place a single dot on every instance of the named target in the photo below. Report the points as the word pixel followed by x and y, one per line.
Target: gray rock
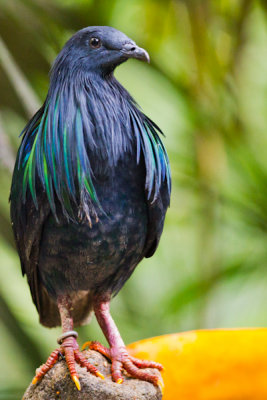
pixel 57 384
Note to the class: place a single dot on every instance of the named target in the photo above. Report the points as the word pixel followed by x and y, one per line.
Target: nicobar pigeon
pixel 89 194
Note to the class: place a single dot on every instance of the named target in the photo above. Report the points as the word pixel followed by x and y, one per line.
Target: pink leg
pixel 117 353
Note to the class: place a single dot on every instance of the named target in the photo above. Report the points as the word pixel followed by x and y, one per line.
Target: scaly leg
pixel 69 348
pixel 117 353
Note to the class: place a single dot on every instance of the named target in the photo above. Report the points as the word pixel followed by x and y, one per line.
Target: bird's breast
pixel 98 255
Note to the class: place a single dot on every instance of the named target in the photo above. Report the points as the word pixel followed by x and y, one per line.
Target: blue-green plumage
pixel 57 152
pixel 92 181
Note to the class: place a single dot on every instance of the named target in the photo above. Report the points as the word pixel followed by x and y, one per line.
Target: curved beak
pixel 131 50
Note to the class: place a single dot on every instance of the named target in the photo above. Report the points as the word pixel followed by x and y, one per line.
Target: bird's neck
pixel 104 106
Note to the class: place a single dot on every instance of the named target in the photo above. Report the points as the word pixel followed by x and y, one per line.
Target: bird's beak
pixel 131 50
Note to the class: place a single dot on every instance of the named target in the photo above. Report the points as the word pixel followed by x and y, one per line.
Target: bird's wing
pixel 30 209
pixel 156 217
pixel 28 216
pixel 27 223
pixel 158 177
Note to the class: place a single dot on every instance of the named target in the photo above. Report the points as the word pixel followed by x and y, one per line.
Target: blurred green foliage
pixel 206 88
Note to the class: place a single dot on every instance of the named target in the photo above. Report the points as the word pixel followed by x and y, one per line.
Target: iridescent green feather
pixel 58 175
pixel 29 174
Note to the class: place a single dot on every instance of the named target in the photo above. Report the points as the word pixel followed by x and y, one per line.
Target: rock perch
pixel 57 384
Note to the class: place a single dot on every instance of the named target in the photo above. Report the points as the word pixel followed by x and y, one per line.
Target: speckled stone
pixel 57 384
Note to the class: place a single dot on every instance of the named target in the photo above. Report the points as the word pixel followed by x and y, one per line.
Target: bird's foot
pixel 121 359
pixel 70 350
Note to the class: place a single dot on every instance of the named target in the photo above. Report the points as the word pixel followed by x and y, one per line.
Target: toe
pixel 80 358
pixel 68 347
pixel 146 364
pixel 70 360
pixel 52 359
pixel 135 372
pixel 100 348
pixel 116 371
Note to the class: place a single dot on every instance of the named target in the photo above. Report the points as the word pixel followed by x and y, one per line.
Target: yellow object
pixel 35 380
pixel 76 381
pixel 86 344
pixel 161 385
pixel 100 375
pixel 210 364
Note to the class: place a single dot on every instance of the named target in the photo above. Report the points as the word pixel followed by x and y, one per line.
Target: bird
pixel 89 194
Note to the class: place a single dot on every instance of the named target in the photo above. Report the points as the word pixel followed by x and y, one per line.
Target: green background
pixel 206 87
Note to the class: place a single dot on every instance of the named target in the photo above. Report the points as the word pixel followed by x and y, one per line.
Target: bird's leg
pixel 117 352
pixel 69 347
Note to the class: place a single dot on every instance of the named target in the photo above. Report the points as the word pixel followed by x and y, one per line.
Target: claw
pixel 160 383
pixel 86 344
pixel 35 380
pixel 100 375
pixel 76 381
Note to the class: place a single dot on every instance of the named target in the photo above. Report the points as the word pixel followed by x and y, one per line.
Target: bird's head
pixel 98 49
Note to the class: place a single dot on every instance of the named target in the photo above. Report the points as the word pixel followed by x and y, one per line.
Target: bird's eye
pixel 95 43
